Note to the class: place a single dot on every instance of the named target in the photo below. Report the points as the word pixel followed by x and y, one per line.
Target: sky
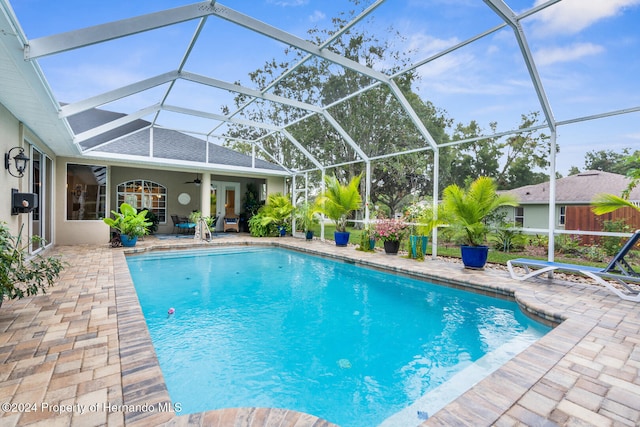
pixel 586 52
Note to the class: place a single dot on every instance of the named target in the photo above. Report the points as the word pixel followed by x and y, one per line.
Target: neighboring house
pixel 573 202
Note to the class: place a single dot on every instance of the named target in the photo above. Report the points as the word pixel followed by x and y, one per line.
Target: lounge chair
pixel 618 270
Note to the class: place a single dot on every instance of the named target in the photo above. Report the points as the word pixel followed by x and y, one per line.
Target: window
pixel 519 216
pixel 86 192
pixel 143 194
pixel 563 215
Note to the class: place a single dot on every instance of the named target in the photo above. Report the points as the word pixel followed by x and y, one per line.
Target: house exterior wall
pixel 535 215
pixel 9 138
pixel 14 134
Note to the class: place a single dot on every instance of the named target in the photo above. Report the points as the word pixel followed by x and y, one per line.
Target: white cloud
pixel 572 16
pixel 289 3
pixel 552 55
pixel 317 16
pixel 425 45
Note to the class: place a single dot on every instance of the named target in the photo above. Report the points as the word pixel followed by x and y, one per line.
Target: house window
pixel 142 194
pixel 86 192
pixel 518 217
pixel 562 217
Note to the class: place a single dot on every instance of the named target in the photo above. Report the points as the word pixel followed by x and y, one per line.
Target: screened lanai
pixel 382 88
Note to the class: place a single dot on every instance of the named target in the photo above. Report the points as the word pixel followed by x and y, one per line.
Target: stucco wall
pixel 15 134
pixel 9 137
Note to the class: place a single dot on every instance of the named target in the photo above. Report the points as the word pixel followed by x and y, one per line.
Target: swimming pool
pixel 358 347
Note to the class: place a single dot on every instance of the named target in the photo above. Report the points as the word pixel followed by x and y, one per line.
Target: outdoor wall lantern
pixel 20 162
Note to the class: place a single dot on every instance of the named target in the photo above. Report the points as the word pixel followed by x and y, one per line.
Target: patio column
pixel 205 195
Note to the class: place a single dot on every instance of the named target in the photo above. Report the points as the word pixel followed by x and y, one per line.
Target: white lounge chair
pixel 618 270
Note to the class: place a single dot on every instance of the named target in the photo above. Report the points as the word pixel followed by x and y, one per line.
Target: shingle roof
pixel 134 139
pixel 580 188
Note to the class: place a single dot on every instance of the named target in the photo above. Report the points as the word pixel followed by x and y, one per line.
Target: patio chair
pixel 231 221
pixel 181 224
pixel 618 270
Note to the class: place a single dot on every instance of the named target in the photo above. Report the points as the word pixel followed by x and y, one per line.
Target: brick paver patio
pixel 81 354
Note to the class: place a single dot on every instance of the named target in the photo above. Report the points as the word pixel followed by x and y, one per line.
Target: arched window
pixel 143 194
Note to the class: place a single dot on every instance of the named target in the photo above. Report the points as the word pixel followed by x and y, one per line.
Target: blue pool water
pixel 358 347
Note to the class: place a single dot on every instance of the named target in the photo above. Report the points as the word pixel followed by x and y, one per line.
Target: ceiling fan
pixel 195 181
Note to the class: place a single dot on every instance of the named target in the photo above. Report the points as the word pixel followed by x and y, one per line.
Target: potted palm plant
pixel 277 211
pixel 337 202
pixel 306 217
pixel 466 211
pixel 130 223
pixel 427 218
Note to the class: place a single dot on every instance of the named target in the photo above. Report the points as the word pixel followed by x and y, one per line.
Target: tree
pixel 574 170
pixel 510 161
pixel 610 161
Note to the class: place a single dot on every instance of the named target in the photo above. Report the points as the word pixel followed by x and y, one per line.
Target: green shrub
pixel 568 244
pixel 612 245
pixel 258 227
pixel 593 253
pixel 508 239
pixel 19 276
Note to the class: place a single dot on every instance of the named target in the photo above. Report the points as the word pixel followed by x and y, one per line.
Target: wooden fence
pixel 582 218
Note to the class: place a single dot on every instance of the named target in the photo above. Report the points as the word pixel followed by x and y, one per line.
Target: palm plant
pixel 306 216
pixel 605 203
pixel 466 209
pixel 338 200
pixel 277 210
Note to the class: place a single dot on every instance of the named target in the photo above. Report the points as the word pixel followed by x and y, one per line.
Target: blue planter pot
pixel 372 244
pixel 341 237
pixel 418 241
pixel 309 235
pixel 424 241
pixel 126 241
pixel 474 257
pixel 282 230
pixel 414 246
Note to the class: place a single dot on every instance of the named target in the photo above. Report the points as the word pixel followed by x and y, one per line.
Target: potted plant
pixel 277 211
pixel 337 202
pixel 130 223
pixel 306 217
pixel 19 276
pixel 391 232
pixel 466 211
pixel 154 220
